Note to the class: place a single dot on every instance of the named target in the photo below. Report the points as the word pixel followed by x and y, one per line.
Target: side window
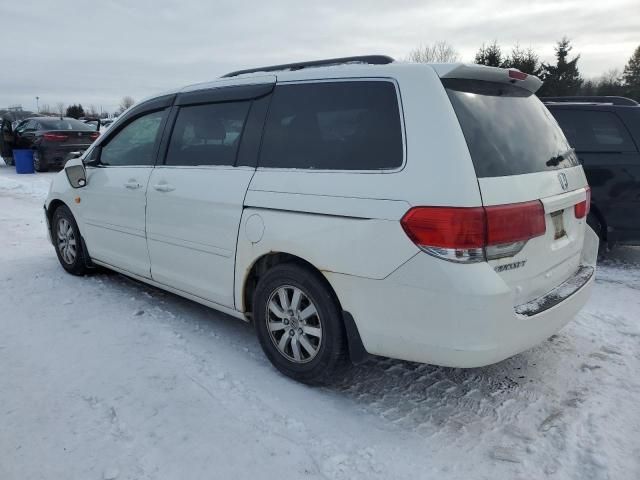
pixel 135 143
pixel 593 131
pixel 207 134
pixel 348 125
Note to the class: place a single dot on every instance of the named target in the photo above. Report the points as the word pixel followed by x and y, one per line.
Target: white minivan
pixel 426 212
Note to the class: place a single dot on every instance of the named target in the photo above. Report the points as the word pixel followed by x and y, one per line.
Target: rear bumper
pixel 58 155
pixel 455 315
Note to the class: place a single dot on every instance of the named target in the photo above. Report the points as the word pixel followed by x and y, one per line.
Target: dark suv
pixel 605 132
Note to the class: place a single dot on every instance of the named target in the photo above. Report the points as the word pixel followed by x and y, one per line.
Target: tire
pixel 594 222
pixel 67 241
pixel 39 162
pixel 8 161
pixel 316 351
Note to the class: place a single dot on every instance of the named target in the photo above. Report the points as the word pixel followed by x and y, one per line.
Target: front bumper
pixel 456 315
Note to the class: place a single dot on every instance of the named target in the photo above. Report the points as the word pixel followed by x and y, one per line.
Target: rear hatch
pixel 524 162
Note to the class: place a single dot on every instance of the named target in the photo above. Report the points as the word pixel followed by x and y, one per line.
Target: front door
pixel 6 140
pixel 195 201
pixel 113 204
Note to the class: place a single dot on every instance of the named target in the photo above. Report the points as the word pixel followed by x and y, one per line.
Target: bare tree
pixel 46 109
pixel 91 111
pixel 126 102
pixel 439 52
pixel 60 108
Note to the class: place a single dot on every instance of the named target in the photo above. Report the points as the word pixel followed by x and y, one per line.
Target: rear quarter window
pixel 593 131
pixel 342 125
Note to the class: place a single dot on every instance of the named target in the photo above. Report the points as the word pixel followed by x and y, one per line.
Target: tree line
pixel 78 111
pixel 561 78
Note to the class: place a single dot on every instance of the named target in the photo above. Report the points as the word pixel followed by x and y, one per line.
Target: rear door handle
pixel 132 184
pixel 164 187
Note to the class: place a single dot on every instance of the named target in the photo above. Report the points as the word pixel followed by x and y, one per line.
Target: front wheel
pixel 67 241
pixel 299 324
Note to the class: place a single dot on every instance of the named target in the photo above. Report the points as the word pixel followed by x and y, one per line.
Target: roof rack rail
pixel 370 59
pixel 611 100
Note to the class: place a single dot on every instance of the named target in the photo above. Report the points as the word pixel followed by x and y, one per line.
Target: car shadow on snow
pixel 409 395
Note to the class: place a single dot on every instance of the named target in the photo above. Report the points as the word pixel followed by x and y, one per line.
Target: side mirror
pixel 76 174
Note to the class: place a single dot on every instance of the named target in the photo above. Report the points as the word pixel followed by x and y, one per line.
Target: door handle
pixel 132 184
pixel 163 187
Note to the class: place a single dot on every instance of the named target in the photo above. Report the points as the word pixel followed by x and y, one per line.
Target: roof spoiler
pixel 510 76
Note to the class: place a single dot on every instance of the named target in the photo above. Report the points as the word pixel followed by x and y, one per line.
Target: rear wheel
pixel 299 324
pixel 594 222
pixel 39 162
pixel 67 241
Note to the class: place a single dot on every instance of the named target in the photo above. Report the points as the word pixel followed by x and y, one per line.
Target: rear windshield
pixel 507 128
pixel 65 124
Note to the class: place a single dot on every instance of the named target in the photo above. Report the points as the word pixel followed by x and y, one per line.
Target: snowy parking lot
pixel 102 377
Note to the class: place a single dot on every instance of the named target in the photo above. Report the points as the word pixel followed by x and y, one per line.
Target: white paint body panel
pixel 192 229
pixel 112 213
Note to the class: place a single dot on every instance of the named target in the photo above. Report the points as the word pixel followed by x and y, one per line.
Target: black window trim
pixel 225 94
pixel 222 94
pixel 381 171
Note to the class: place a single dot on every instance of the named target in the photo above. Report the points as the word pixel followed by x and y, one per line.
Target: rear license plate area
pixel 558 224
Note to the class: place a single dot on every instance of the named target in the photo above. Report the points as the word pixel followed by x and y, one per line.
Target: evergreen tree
pixel 563 78
pixel 631 76
pixel 589 88
pixel 75 111
pixel 610 84
pixel 489 55
pixel 526 61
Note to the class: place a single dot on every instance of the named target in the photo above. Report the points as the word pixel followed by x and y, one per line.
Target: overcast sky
pixel 95 52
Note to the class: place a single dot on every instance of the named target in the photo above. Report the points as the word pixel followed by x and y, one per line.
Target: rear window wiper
pixel 555 161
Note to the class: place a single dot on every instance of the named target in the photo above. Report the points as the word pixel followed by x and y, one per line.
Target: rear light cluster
pixel 94 135
pixel 517 74
pixel 582 209
pixel 56 137
pixel 474 234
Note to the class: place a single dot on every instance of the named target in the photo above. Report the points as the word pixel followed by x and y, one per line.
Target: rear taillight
pixel 474 234
pixel 94 135
pixel 55 137
pixel 582 208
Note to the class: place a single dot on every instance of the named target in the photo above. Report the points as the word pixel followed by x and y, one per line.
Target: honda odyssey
pixel 427 212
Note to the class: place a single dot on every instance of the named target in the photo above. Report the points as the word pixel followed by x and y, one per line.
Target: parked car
pixel 95 123
pixel 431 213
pixel 51 138
pixel 106 123
pixel 605 132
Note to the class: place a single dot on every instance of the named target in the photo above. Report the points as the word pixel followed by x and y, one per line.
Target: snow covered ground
pixel 102 377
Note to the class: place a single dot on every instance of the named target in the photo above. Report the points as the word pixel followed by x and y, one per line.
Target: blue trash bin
pixel 23 160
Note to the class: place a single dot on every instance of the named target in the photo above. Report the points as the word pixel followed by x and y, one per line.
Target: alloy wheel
pixel 67 245
pixel 294 324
